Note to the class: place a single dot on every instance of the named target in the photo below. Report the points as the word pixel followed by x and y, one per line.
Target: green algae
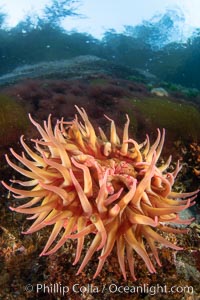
pixel 13 120
pixel 180 119
pixel 98 82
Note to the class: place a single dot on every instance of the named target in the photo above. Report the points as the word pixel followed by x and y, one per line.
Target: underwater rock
pixel 77 67
pixel 161 92
pixel 49 68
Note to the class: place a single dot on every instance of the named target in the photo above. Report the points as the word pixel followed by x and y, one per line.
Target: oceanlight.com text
pixel 76 288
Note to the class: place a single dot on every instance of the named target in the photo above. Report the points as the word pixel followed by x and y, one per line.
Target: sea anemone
pixel 112 190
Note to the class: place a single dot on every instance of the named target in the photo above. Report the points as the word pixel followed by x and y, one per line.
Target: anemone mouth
pixel 83 184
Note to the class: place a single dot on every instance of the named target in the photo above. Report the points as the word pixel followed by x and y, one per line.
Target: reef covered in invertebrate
pixel 115 190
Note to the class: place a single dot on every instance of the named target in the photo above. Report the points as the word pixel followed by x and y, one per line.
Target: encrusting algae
pixel 83 184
